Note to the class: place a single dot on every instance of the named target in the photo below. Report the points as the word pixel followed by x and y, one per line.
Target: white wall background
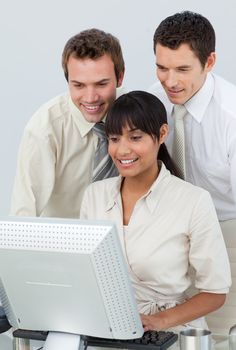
pixel 33 34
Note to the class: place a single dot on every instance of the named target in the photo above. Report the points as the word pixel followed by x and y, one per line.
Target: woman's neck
pixel 132 189
pixel 140 183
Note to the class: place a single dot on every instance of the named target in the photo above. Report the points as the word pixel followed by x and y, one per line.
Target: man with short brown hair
pixel 57 151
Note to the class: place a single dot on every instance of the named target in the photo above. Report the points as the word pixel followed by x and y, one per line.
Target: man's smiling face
pixel 92 85
pixel 180 72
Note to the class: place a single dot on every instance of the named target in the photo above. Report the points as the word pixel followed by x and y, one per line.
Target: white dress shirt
pixel 172 226
pixel 55 161
pixel 210 139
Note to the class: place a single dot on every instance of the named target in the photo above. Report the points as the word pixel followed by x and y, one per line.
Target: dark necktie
pixel 103 164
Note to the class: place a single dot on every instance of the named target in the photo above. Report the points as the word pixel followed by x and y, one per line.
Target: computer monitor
pixel 68 276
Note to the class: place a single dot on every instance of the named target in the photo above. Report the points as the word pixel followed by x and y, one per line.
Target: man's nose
pixel 171 79
pixel 91 95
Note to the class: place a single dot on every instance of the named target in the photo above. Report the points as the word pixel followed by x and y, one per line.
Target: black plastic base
pixel 29 334
pixel 4 324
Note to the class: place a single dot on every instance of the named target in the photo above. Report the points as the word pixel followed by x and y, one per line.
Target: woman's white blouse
pixel 172 226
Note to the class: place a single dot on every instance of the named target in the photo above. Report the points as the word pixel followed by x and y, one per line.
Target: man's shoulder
pixel 105 183
pixel 56 101
pixel 157 90
pixel 120 91
pixel 106 188
pixel 50 112
pixel 224 95
pixel 224 90
pixel 222 82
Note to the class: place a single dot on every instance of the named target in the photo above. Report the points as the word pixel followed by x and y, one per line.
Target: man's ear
pixel 120 80
pixel 211 60
pixel 164 131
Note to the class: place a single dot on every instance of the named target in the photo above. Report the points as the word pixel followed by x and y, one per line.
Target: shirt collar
pixel 83 125
pixel 158 187
pixel 151 196
pixel 197 105
pixel 114 192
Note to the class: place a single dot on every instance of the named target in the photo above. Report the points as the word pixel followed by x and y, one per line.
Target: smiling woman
pixel 134 145
pixel 163 222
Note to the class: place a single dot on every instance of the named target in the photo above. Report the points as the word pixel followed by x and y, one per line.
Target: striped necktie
pixel 103 164
pixel 178 153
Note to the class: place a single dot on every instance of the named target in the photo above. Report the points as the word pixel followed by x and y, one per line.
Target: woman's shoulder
pixel 187 189
pixel 188 200
pixel 176 185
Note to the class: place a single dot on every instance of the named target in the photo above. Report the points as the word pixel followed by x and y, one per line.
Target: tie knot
pixel 179 111
pixel 99 129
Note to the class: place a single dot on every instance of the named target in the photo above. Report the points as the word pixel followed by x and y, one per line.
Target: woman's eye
pixel 136 137
pixel 113 138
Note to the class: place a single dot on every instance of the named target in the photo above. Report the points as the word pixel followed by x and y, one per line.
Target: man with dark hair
pixel 59 152
pixel 200 106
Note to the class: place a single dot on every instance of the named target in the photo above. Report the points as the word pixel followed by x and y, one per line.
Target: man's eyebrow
pixel 105 80
pixel 75 81
pixel 182 66
pixel 160 65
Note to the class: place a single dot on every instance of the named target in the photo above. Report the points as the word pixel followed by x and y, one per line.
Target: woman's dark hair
pixel 143 111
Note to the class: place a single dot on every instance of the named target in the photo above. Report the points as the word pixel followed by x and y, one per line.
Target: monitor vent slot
pixel 115 287
pixel 69 238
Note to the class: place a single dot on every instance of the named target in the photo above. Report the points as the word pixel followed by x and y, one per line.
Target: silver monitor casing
pixel 66 275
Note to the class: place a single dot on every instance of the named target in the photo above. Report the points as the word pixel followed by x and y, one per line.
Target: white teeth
pixel 127 161
pixel 91 108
